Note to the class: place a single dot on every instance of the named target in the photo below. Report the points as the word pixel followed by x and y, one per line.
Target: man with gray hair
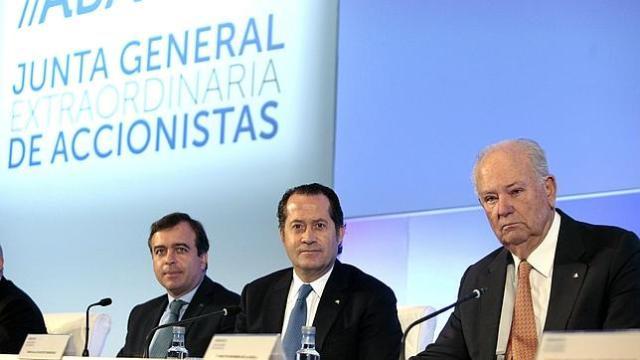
pixel 551 273
pixel 19 315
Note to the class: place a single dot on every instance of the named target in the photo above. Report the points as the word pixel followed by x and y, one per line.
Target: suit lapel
pixel 332 300
pixel 569 272
pixel 276 302
pixel 148 321
pixel 196 307
pixel 490 305
pixel 156 312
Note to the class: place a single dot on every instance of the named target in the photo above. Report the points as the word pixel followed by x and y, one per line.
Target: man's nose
pixel 171 257
pixel 308 236
pixel 505 206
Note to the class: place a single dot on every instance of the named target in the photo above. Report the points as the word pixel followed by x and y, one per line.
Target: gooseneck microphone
pixel 103 302
pixel 475 294
pixel 227 311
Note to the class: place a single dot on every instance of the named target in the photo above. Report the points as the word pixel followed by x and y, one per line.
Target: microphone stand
pixel 475 294
pixel 103 302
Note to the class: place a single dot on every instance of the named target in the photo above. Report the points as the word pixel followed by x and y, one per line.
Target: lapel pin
pixel 337 301
pixel 575 275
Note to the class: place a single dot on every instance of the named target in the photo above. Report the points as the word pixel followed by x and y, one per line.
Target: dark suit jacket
pixel 209 297
pixel 19 316
pixel 605 294
pixel 356 316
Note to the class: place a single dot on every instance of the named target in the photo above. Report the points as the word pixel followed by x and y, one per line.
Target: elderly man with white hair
pixel 551 272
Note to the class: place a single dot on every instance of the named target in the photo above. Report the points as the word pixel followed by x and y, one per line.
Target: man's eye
pixel 182 250
pixel 517 191
pixel 158 252
pixel 490 200
pixel 321 226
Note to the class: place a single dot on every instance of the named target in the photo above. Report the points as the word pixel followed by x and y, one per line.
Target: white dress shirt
pixel 541 260
pixel 312 300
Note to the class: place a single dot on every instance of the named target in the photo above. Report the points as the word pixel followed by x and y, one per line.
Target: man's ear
pixel 550 189
pixel 341 232
pixel 204 260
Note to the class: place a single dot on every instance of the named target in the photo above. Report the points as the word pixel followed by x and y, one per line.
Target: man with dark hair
pixel 179 250
pixel 354 314
pixel 171 220
pixel 19 315
pixel 335 211
pixel 551 272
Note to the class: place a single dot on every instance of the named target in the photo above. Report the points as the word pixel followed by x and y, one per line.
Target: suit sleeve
pixel 228 323
pixel 17 320
pixel 380 332
pixel 129 344
pixel 450 344
pixel 623 310
pixel 241 318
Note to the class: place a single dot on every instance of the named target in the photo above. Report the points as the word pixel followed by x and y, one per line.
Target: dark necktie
pixel 165 335
pixel 297 319
pixel 523 339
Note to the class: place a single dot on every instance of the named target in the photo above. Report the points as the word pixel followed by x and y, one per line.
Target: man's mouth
pixel 308 251
pixel 510 226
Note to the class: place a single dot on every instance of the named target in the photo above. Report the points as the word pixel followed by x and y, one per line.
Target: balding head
pixel 533 151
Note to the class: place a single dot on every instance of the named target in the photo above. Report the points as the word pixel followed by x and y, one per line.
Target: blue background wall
pixel 421 87
pixel 424 85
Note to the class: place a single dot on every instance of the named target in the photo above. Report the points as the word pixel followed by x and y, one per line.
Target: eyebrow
pixel 510 185
pixel 516 183
pixel 312 220
pixel 181 244
pixel 172 245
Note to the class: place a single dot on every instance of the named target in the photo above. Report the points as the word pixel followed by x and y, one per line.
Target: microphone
pixel 227 311
pixel 103 302
pixel 475 294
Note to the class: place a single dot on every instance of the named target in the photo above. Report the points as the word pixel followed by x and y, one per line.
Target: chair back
pixel 421 335
pixel 74 325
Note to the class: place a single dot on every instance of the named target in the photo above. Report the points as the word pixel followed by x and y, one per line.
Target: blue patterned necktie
pixel 297 319
pixel 165 335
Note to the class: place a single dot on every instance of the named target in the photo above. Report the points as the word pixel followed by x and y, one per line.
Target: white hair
pixel 534 152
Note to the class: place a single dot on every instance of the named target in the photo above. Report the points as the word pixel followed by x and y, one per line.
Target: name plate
pixel 242 346
pixel 602 345
pixel 44 347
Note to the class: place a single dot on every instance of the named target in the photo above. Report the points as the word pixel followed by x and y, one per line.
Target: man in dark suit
pixel 179 250
pixel 354 314
pixel 552 273
pixel 19 315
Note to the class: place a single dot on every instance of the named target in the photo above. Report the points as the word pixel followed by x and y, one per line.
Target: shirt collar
pixel 317 285
pixel 541 259
pixel 186 297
